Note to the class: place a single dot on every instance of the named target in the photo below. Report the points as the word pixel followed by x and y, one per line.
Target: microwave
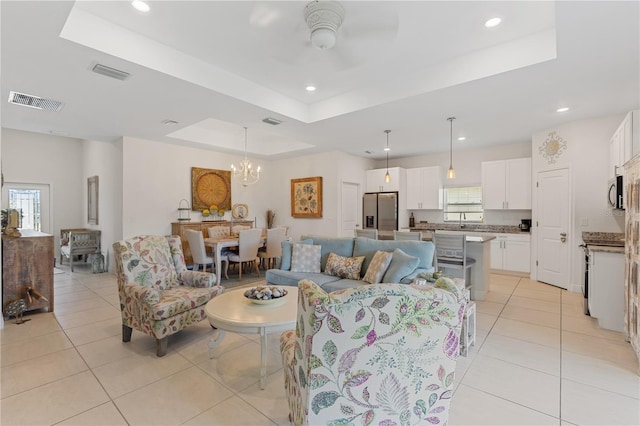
pixel 614 197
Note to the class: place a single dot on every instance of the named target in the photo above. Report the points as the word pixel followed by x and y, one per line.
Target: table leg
pixel 215 341
pixel 263 357
pixel 218 265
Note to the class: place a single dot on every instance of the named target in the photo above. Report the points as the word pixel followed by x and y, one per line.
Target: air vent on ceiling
pixel 34 101
pixel 272 121
pixel 110 72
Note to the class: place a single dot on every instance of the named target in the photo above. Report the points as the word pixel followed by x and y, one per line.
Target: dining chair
pixel 273 249
pixel 218 232
pixel 451 253
pixel 198 251
pixel 248 245
pixel 407 236
pixel 367 233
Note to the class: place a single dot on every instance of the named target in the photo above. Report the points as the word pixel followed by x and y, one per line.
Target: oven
pixel 585 278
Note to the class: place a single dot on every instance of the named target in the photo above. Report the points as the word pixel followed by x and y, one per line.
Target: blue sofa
pixel 401 270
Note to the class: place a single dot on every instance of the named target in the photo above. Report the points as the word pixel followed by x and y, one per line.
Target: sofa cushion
pixel 280 277
pixel 339 246
pixel 401 265
pixel 287 248
pixel 423 250
pixel 305 258
pixel 344 267
pixel 378 267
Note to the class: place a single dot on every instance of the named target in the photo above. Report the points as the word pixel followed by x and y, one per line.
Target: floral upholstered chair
pixel 381 354
pixel 159 296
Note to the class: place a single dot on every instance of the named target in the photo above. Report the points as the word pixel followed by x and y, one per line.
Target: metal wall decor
pixel 552 148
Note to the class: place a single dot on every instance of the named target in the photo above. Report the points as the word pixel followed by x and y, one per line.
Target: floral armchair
pixel 376 354
pixel 158 295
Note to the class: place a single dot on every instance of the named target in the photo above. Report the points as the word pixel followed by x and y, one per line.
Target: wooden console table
pixel 28 261
pixel 177 228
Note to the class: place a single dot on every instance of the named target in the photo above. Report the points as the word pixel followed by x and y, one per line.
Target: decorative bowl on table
pixel 266 295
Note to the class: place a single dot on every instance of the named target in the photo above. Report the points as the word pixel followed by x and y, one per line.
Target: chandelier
pixel 245 170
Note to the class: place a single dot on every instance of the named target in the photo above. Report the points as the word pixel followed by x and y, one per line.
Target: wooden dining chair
pixel 248 245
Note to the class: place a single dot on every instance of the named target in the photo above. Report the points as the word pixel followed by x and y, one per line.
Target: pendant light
pixel 245 171
pixel 387 176
pixel 451 174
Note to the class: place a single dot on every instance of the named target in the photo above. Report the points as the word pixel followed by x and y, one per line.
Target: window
pixel 27 202
pixel 463 203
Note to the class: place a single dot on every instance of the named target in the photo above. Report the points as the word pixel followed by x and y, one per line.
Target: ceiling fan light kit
pixel 324 18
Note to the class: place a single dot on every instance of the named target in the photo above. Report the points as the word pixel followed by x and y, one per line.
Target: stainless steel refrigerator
pixel 380 211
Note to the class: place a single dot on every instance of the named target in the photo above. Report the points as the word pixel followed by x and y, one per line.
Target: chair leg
pixel 240 271
pixel 126 333
pixel 161 346
pixel 71 262
pixel 255 264
pixel 226 269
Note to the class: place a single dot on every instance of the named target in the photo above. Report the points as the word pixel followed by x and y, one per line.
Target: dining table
pixel 219 243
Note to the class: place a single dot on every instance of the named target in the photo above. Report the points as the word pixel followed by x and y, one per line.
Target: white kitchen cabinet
pixel 376 183
pixel 506 184
pixel 424 188
pixel 511 252
pixel 625 143
pixel 606 289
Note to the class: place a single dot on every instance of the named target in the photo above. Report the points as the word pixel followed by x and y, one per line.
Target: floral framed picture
pixel 306 197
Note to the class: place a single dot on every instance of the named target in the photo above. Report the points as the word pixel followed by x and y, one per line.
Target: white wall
pixel 157 175
pixel 587 158
pixel 104 159
pixel 54 160
pixel 334 167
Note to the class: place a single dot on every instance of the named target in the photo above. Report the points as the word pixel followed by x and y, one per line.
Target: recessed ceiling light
pixel 462 138
pixel 493 22
pixel 387 149
pixel 310 88
pixel 563 109
pixel 141 6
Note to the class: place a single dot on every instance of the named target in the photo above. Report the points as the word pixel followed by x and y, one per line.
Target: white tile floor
pixel 537 360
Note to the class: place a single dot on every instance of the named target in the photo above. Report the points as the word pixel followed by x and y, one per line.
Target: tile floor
pixel 537 360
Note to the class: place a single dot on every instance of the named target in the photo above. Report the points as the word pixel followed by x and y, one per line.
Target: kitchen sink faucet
pixel 465 218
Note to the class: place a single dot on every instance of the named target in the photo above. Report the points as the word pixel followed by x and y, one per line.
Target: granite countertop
pixel 603 239
pixel 469 227
pixel 610 242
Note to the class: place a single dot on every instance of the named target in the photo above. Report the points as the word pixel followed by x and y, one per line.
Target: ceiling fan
pixel 324 18
pixel 344 35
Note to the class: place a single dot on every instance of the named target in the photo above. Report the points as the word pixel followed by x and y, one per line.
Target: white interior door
pixel 553 224
pixel 33 200
pixel 349 208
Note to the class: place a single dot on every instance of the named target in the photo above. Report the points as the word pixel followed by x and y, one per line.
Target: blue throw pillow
pixel 401 265
pixel 287 247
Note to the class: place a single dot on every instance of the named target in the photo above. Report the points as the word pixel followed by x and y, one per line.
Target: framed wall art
pixel 306 197
pixel 210 187
pixel 92 200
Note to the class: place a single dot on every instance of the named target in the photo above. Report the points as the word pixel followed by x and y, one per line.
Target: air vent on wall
pixel 110 72
pixel 34 101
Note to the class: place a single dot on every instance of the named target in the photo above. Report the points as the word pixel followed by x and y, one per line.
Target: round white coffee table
pixel 231 311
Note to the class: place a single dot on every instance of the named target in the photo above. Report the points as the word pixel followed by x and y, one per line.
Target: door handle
pixel 563 237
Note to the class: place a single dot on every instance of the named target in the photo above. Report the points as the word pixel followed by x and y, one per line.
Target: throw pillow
pixel 305 258
pixel 401 265
pixel 377 267
pixel 344 267
pixel 287 248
